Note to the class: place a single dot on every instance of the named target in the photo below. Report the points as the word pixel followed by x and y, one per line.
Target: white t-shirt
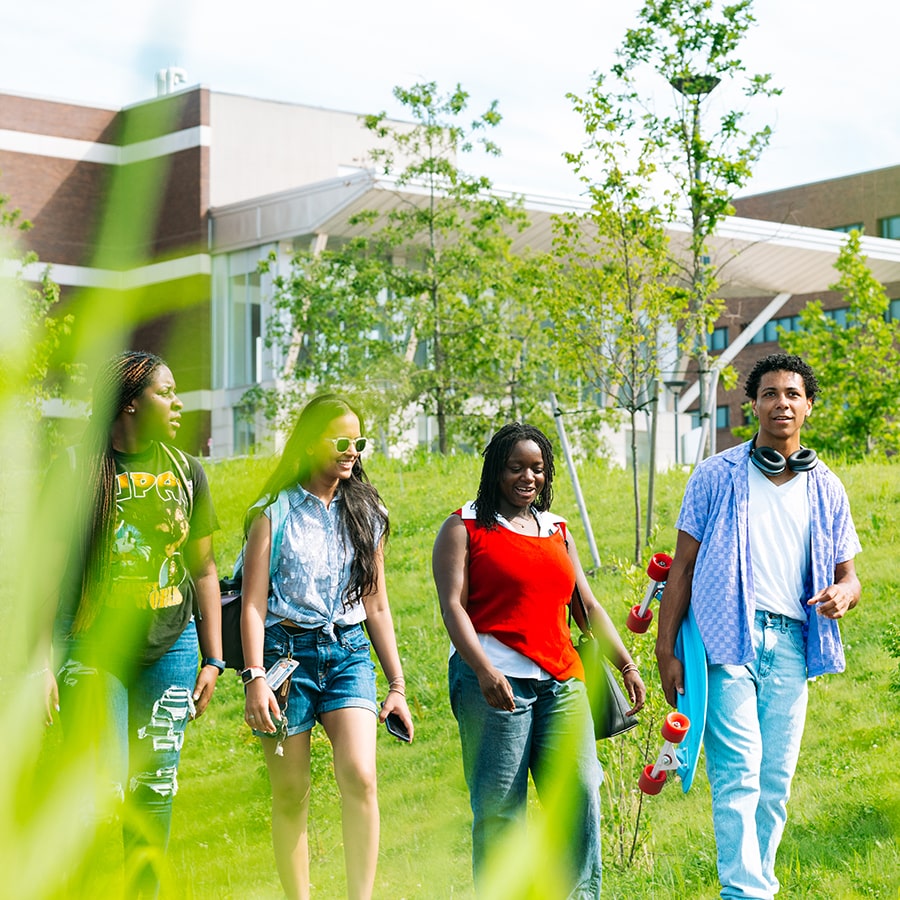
pixel 779 543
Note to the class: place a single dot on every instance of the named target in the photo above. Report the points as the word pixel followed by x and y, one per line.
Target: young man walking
pixel 764 556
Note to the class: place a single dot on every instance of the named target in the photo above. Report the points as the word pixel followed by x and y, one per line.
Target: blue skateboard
pixel 692 703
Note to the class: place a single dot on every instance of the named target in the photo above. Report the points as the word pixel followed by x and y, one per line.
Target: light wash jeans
pixel 752 741
pixel 133 728
pixel 499 748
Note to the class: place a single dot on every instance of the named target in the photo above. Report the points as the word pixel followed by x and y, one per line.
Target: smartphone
pixel 395 726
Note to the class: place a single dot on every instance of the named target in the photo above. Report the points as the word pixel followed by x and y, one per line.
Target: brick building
pixel 165 207
pixel 868 202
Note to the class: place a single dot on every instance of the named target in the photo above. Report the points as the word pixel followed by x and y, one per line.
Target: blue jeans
pixel 132 729
pixel 499 748
pixel 752 741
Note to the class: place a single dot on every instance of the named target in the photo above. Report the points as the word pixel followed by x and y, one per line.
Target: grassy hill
pixel 844 816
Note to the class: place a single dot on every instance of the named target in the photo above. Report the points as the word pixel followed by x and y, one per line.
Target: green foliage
pixel 339 328
pixel 428 307
pixel 892 645
pixel 31 334
pixel 857 364
pixel 613 301
pixel 692 45
pixel 841 837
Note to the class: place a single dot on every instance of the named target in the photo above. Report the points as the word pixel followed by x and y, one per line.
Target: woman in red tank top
pixel 505 569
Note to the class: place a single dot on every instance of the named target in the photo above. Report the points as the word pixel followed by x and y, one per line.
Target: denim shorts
pixel 335 671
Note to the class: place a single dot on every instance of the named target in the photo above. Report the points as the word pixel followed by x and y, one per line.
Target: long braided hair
pixel 119 381
pixel 487 501
pixel 361 505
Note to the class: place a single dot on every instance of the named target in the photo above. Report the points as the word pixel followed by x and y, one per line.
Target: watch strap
pixel 251 673
pixel 220 664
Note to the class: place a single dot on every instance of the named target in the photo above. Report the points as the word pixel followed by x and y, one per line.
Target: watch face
pixel 247 676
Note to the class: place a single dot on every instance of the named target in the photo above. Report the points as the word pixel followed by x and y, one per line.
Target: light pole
pixel 676 386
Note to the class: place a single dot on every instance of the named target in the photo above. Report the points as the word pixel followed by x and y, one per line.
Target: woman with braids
pixel 327 577
pixel 130 675
pixel 505 569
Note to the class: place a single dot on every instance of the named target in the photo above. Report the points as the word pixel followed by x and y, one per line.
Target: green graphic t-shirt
pixel 150 596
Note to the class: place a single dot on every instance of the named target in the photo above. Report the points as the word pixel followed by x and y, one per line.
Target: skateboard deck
pixel 692 703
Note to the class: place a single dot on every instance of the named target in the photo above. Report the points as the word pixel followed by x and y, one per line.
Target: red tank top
pixel 519 589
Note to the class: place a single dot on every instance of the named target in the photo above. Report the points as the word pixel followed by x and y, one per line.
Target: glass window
pixel 839 316
pixel 718 340
pixel 846 229
pixel 894 311
pixel 244 431
pixel 890 227
pixel 238 317
pixel 769 332
pixel 723 417
pixel 246 328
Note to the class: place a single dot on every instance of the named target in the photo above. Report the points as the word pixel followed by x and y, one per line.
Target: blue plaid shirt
pixel 715 513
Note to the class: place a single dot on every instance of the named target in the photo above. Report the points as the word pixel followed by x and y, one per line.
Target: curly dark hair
pixel 361 506
pixel 497 452
pixel 781 362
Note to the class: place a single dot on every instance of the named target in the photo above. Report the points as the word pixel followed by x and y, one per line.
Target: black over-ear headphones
pixel 771 462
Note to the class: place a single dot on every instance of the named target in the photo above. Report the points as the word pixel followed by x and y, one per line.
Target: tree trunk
pixel 635 486
pixel 651 475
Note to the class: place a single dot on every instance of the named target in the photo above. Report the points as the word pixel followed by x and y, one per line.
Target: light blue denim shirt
pixel 715 513
pixel 310 582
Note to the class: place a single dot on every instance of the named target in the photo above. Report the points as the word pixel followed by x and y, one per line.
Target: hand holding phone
pixel 395 726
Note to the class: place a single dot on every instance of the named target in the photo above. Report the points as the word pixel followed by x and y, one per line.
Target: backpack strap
pixel 278 513
pixel 182 467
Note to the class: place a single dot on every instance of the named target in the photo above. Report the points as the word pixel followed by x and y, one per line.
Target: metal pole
pixel 570 463
pixel 713 409
pixel 677 453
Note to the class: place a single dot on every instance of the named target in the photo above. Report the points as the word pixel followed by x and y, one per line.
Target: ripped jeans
pixel 132 734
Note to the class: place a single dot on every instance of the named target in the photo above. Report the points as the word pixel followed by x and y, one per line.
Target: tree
pixel 614 296
pixel 430 302
pixel 857 364
pixel 339 327
pixel 692 44
pixel 31 334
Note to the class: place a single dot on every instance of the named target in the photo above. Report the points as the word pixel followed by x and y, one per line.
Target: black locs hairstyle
pixel 500 446
pixel 119 381
pixel 361 505
pixel 781 362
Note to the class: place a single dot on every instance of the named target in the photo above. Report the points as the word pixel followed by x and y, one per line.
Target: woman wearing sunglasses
pixel 328 577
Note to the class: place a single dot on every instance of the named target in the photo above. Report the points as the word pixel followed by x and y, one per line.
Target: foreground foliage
pixel 841 836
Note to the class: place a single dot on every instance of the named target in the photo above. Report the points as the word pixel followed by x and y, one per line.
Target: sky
pixel 838 113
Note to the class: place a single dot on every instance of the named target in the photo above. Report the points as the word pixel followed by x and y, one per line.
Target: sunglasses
pixel 343 444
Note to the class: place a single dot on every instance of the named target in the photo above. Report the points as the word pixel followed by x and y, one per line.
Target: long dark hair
pixel 119 381
pixel 361 506
pixel 487 501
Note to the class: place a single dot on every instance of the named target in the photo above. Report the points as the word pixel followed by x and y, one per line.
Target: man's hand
pixel 671 677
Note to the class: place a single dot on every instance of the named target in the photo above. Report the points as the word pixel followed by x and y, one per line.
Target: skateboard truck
pixel 641 616
pixel 674 728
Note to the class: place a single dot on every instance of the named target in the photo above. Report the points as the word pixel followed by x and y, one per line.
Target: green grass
pixel 844 816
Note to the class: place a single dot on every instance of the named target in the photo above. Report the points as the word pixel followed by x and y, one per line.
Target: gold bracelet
pixel 630 667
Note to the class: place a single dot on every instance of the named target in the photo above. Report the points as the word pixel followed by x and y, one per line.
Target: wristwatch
pixel 220 664
pixel 252 672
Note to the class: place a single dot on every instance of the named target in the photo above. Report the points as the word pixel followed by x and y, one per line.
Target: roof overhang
pixel 754 258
